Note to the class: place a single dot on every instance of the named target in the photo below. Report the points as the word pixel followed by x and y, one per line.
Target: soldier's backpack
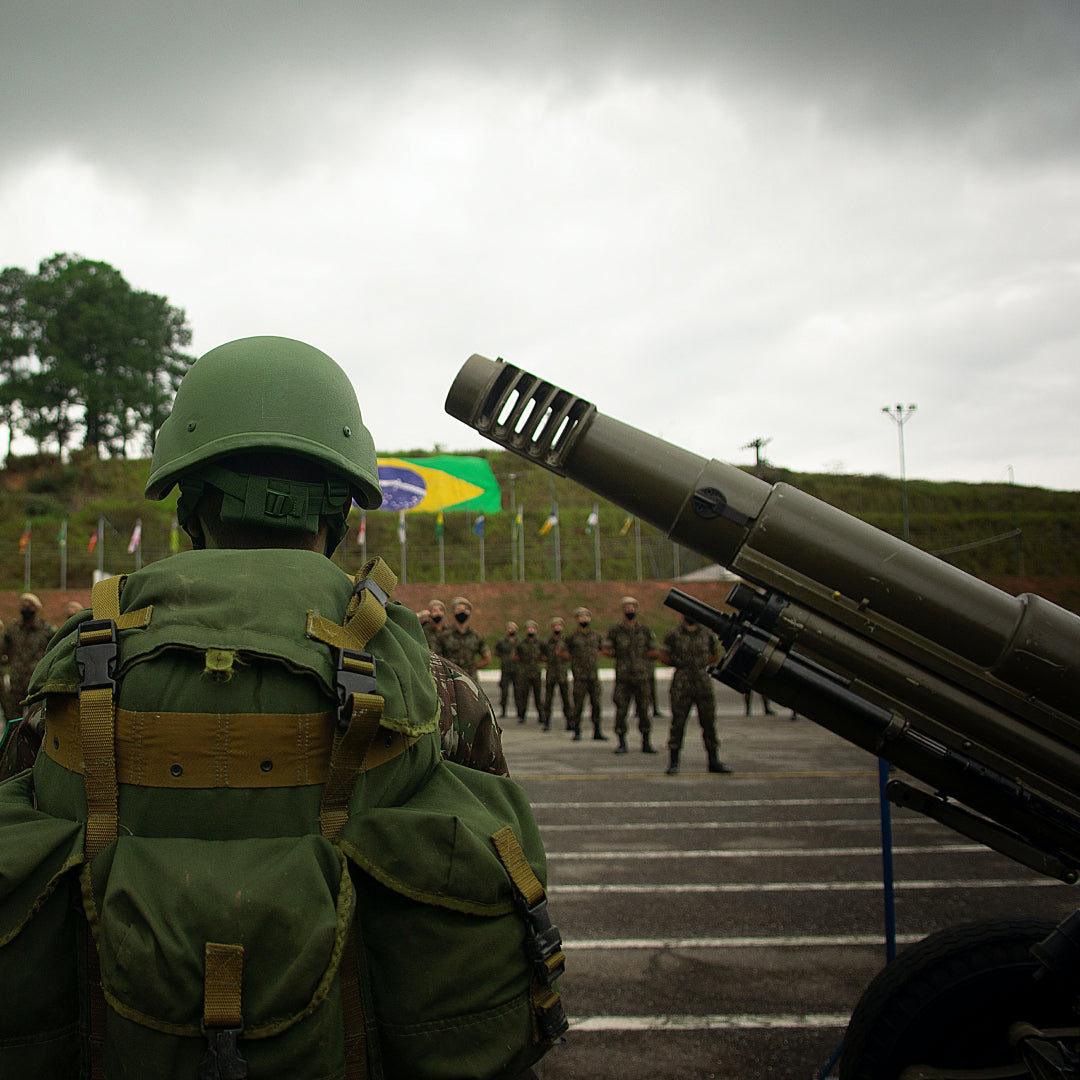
pixel 240 852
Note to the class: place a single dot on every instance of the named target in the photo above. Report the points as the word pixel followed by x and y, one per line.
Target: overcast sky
pixel 718 221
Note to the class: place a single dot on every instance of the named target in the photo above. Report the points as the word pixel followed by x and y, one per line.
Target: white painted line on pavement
pixel 654 826
pixel 803 941
pixel 800 886
pixel 769 853
pixel 719 1022
pixel 660 804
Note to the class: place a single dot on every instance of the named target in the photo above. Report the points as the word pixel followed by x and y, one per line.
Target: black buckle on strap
pixel 96 660
pixel 222 1060
pixel 373 587
pixel 349 681
pixel 542 939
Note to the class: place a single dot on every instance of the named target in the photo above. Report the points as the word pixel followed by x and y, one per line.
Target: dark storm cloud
pixel 999 77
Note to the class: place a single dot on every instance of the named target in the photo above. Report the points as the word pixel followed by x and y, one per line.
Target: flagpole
pixel 29 546
pixel 596 538
pixel 363 538
pixel 637 544
pixel 63 556
pixel 521 538
pixel 101 546
pixel 513 529
pixel 401 542
pixel 556 547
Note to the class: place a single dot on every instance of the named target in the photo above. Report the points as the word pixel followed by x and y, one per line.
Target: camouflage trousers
pixel 562 685
pixel 586 688
pixel 638 692
pixel 523 687
pixel 682 700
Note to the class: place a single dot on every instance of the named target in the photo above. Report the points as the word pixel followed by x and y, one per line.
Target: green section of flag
pixel 473 470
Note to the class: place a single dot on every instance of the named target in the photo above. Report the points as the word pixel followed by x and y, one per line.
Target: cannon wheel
pixel 949 999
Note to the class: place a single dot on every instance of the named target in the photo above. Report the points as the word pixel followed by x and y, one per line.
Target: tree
pixel 82 349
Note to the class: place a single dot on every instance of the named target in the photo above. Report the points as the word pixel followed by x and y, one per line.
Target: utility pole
pixel 757 445
pixel 900 415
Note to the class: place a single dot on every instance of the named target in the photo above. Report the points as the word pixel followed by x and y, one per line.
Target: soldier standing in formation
pixel 23 644
pixel 633 645
pixel 555 677
pixel 690 649
pixel 434 625
pixel 528 655
pixel 583 648
pixel 504 650
pixel 461 644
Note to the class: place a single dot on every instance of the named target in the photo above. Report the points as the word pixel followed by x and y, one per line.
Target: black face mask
pixel 532 633
pixel 584 624
pixel 511 633
pixel 436 618
pixel 28 613
pixel 631 614
pixel 461 616
pixel 556 632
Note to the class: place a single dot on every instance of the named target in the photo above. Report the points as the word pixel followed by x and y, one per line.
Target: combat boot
pixel 646 745
pixel 597 733
pixel 577 733
pixel 716 765
pixel 622 747
pixel 673 766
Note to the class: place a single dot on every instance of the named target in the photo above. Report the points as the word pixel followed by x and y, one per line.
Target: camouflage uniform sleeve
pixel 470 733
pixel 21 742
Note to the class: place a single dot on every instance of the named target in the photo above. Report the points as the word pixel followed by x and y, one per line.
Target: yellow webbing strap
pixel 549 1021
pixel 517 866
pixel 222 982
pixel 356 735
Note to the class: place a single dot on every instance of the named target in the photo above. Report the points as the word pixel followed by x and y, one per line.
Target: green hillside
pixel 992 530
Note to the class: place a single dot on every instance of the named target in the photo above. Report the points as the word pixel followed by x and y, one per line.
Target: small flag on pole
pixel 136 537
pixel 552 521
pixel 478 527
pixel 401 527
pixel 626 525
pixel 62 538
pixel 93 542
pixel 174 536
pixel 361 533
pixel 24 540
pixel 593 520
pixel 439 525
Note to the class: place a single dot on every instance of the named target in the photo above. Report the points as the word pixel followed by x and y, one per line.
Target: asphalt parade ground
pixel 724 926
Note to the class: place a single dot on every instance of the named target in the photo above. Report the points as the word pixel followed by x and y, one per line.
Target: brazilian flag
pixel 448 482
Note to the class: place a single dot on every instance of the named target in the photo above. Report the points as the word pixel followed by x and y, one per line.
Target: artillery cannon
pixel 972 693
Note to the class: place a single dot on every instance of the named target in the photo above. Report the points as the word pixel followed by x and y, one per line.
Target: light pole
pixel 900 415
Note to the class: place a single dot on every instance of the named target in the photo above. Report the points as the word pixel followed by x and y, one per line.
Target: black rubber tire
pixel 949 999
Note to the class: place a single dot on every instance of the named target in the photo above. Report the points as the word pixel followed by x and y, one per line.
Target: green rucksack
pixel 241 828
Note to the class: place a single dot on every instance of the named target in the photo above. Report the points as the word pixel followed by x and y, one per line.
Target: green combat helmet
pixel 275 395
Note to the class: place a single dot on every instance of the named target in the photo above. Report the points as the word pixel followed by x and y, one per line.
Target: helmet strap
pixel 269 502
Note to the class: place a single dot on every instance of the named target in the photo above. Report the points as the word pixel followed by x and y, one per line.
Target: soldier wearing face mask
pixel 504 650
pixel 528 654
pixel 556 677
pixel 434 625
pixel 461 644
pixel 633 645
pixel 22 646
pixel 583 647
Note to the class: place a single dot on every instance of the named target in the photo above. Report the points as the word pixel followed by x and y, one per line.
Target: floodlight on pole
pixel 900 415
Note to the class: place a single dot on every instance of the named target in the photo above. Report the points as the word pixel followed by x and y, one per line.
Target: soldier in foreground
pixel 242 784
pixel 633 646
pixel 583 646
pixel 461 644
pixel 690 648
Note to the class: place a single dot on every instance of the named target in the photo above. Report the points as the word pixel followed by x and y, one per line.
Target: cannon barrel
pixel 969 689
